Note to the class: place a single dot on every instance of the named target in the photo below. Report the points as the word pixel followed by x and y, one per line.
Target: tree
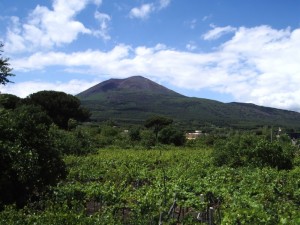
pixel 147 139
pixel 171 135
pixel 5 70
pixel 9 101
pixel 250 150
pixel 60 107
pixel 135 134
pixel 157 123
pixel 29 161
pixel 78 141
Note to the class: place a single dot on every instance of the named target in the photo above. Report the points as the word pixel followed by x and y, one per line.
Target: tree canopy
pixel 171 135
pixel 157 123
pixel 250 150
pixel 29 161
pixel 61 107
pixel 9 101
pixel 5 70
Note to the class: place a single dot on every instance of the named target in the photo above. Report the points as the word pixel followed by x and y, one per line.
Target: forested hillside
pixel 133 100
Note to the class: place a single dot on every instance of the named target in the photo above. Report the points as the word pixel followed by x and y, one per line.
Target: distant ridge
pixel 134 99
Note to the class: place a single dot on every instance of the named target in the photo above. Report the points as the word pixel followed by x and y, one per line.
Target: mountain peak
pixel 130 84
pixel 134 99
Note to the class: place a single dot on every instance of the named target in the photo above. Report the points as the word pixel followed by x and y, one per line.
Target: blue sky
pixel 227 50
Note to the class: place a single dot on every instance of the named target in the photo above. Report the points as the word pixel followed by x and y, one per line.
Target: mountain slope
pixel 133 84
pixel 135 99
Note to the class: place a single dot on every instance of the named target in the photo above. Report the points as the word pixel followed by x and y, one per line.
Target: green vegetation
pixel 56 170
pixel 135 99
pixel 29 160
pixel 5 70
pixel 9 101
pixel 32 146
pixel 61 107
pixel 171 135
pixel 251 150
pixel 127 187
pixel 114 176
pixel 157 123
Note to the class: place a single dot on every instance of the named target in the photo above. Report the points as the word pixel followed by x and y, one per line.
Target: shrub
pixel 135 134
pixel 59 106
pixel 171 135
pixel 29 160
pixel 272 154
pixel 75 142
pixel 250 150
pixel 148 139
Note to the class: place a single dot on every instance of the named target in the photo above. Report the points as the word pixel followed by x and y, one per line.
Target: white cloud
pixel 191 24
pixel 164 3
pixel 205 18
pixel 217 32
pixel 15 42
pixel 191 46
pixel 23 89
pixel 144 11
pixel 103 20
pixel 259 65
pixel 45 28
pixel 141 12
pixel 89 58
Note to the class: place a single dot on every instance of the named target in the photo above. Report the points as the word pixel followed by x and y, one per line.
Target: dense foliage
pixel 61 107
pixel 31 146
pixel 171 135
pixel 79 141
pixel 9 101
pixel 113 175
pixel 5 70
pixel 129 105
pixel 129 187
pixel 29 160
pixel 251 150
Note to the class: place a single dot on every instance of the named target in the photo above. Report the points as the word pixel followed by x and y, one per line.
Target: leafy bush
pixel 171 135
pixel 9 101
pixel 109 131
pixel 105 135
pixel 75 142
pixel 272 154
pixel 246 150
pixel 205 140
pixel 135 134
pixel 148 139
pixel 28 159
pixel 59 106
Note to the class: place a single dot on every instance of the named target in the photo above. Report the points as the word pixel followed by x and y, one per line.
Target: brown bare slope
pixel 131 84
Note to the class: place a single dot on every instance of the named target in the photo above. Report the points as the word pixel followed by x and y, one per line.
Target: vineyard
pixel 131 165
pixel 164 186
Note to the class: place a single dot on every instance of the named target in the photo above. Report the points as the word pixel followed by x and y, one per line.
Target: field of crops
pixel 166 186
